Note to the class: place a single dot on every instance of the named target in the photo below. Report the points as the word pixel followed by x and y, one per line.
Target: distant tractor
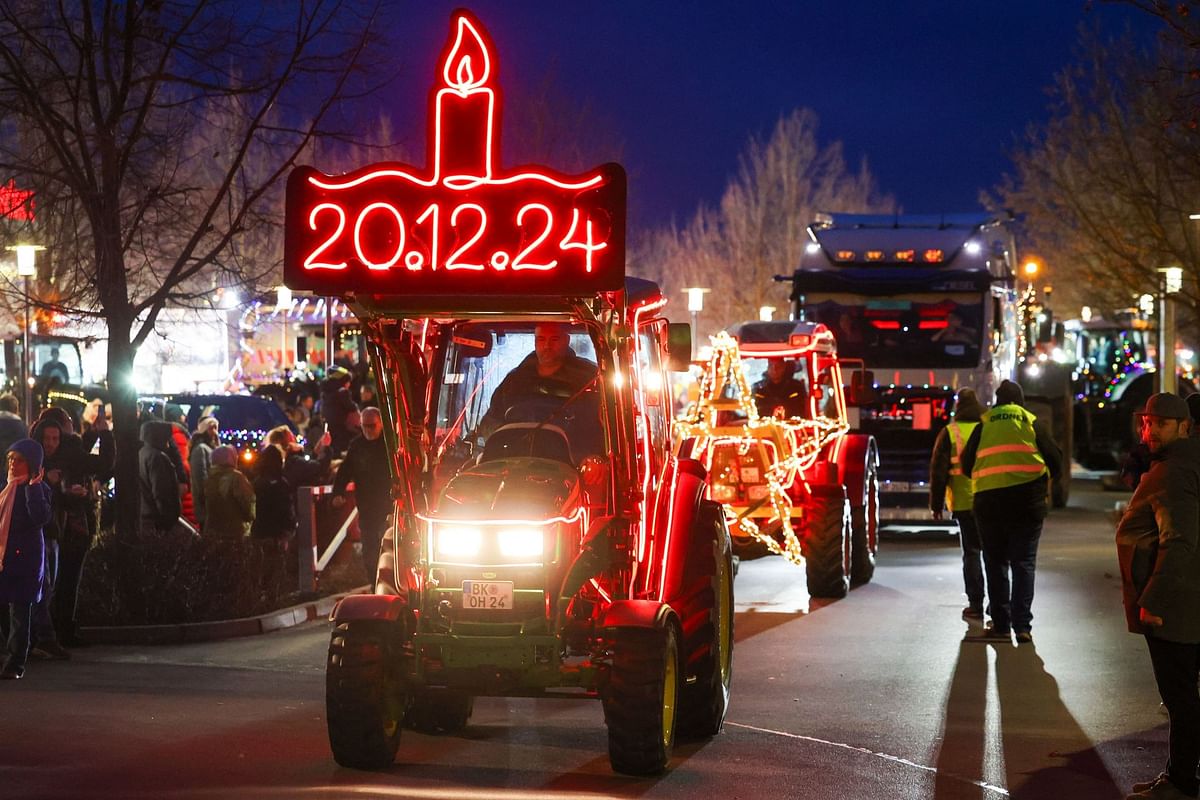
pixel 790 476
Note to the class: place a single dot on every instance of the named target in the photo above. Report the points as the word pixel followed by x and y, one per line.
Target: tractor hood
pixel 511 488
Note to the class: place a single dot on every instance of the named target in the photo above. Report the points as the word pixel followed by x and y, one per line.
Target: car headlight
pixel 524 542
pixel 457 541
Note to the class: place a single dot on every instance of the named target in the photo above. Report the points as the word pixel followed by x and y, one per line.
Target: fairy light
pixel 786 447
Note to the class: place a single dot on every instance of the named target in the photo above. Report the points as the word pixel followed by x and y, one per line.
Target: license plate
pixel 895 486
pixel 491 595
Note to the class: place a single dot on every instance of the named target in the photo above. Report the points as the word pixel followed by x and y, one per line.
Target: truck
pixel 794 480
pixel 545 538
pixel 927 305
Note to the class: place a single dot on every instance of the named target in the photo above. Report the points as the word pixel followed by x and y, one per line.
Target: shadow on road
pixel 1045 753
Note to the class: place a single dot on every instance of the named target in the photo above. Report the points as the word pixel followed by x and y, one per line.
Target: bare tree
pixel 759 228
pixel 155 134
pixel 1107 185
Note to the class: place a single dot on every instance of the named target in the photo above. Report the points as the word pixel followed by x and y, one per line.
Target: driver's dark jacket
pixel 524 383
pixel 789 393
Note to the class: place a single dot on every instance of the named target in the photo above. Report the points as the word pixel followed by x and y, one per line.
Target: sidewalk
pixel 217 629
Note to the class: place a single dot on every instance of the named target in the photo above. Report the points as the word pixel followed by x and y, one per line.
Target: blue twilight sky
pixel 933 93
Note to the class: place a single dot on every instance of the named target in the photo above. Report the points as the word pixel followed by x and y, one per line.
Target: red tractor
pixel 772 429
pixel 545 539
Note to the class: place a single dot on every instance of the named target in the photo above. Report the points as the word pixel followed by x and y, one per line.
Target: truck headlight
pixel 523 542
pixel 457 541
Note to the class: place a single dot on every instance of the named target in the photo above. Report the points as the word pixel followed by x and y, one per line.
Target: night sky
pixel 932 94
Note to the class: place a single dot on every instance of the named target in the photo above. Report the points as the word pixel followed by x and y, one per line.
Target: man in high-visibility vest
pixel 1011 458
pixel 946 476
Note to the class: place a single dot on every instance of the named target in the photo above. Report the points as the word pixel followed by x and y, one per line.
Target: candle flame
pixel 468 50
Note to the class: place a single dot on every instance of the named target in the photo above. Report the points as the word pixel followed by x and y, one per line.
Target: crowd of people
pixel 52 498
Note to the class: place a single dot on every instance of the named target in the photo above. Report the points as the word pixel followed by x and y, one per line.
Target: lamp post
pixel 695 295
pixel 283 305
pixel 27 269
pixel 1170 284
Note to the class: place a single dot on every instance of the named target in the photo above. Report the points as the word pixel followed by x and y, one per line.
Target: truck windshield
pixel 493 394
pixel 902 333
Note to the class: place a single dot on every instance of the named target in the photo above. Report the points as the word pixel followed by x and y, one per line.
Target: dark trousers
pixel 72 556
pixel 42 622
pixel 1176 670
pixel 972 557
pixel 371 537
pixel 20 616
pixel 1010 541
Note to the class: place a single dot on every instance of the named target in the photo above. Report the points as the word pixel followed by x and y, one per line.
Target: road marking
pixel 885 756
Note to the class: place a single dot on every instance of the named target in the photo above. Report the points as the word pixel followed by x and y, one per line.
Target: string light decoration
pixel 786 447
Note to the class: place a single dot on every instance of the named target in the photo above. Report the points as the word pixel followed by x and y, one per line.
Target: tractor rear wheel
pixel 364 700
pixel 709 649
pixel 826 541
pixel 864 526
pixel 641 697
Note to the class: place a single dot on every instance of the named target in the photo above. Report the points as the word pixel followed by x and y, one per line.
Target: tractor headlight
pixel 457 541
pixel 522 542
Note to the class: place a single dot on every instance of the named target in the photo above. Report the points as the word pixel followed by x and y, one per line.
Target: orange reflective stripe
pixel 981 473
pixel 1005 448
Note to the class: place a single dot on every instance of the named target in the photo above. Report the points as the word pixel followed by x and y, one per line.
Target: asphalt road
pixel 877 695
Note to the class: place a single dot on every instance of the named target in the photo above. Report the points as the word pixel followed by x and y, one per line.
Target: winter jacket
pixel 228 503
pixel 24 557
pixel 180 437
pixel 199 462
pixel 275 513
pixel 366 464
pixel 1157 545
pixel 524 383
pixel 159 482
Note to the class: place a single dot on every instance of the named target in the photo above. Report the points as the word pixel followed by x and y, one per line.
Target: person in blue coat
pixel 24 511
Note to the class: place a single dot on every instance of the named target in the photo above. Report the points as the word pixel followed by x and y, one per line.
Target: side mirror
pixel 862 388
pixel 679 346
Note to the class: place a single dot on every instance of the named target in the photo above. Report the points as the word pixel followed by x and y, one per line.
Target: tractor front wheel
pixel 864 526
pixel 364 700
pixel 641 696
pixel 826 541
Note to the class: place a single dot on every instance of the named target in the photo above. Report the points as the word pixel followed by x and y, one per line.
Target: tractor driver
pixel 551 370
pixel 780 390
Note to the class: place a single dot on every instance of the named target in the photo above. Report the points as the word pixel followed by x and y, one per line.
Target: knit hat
pixel 1009 393
pixel 967 407
pixel 31 451
pixel 207 424
pixel 225 456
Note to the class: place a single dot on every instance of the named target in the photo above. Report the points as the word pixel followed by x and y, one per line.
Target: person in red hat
pixel 1159 554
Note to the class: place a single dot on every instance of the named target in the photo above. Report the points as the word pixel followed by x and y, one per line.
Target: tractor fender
pixel 382 607
pixel 635 614
pixel 857 453
pixel 673 526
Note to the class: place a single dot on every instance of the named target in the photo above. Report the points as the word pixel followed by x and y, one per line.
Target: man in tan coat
pixel 228 497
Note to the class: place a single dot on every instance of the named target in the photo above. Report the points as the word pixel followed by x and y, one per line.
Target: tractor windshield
pixel 517 389
pixel 919 331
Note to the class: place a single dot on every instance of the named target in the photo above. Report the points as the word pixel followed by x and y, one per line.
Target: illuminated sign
pixel 462 225
pixel 16 203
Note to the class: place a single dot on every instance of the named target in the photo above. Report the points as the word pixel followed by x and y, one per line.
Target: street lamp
pixel 1170 284
pixel 27 269
pixel 695 295
pixel 766 313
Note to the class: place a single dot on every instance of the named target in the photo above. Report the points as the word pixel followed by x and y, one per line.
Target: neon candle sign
pixel 462 225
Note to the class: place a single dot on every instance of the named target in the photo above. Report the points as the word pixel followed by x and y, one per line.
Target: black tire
pixel 641 697
pixel 826 541
pixel 364 701
pixel 864 530
pixel 704 701
pixel 440 711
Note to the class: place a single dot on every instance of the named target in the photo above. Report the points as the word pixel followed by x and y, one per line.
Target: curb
pixel 217 629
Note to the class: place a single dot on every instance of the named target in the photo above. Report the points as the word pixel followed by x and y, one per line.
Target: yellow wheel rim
pixel 670 679
pixel 724 623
